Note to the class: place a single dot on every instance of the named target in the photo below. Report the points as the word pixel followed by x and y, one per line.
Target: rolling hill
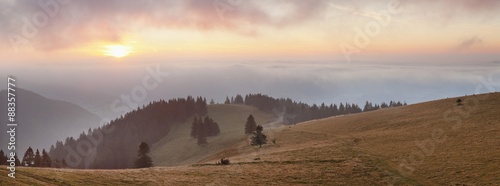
pixel 431 143
pixel 179 148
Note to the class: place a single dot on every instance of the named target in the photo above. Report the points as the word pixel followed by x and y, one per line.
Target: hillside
pixel 42 121
pixel 179 148
pixel 382 147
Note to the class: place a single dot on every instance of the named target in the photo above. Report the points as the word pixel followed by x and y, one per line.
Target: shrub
pixel 223 161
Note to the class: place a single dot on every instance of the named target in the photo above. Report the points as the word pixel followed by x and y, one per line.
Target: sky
pixel 312 51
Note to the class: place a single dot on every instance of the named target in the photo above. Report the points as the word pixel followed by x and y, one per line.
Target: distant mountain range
pixel 42 121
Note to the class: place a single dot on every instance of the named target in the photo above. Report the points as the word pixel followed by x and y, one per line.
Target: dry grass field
pixel 431 143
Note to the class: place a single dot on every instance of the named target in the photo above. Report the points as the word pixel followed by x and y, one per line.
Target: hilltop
pixel 431 143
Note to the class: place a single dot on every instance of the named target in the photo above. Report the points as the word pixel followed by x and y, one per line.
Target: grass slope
pixel 178 148
pixel 437 142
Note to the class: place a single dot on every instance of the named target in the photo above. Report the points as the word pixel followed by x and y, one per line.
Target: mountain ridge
pixel 41 120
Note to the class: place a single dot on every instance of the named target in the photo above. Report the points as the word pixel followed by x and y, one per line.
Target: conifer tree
pixel 238 99
pixel 29 157
pixel 38 159
pixel 3 158
pixel 46 161
pixel 17 160
pixel 259 138
pixel 143 160
pixel 194 127
pixel 341 108
pixel 211 127
pixel 201 106
pixel 250 125
pixel 202 138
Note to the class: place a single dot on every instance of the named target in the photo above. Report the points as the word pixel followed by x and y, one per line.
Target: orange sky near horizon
pixel 257 30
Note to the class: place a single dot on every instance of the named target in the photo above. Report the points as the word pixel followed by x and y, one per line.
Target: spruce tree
pixel 46 161
pixel 227 100
pixel 341 108
pixel 215 127
pixel 194 127
pixel 211 127
pixel 29 157
pixel 38 159
pixel 202 133
pixel 259 138
pixel 3 158
pixel 239 99
pixel 17 160
pixel 201 106
pixel 143 160
pixel 250 125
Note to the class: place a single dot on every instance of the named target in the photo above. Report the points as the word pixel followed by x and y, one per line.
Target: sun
pixel 117 51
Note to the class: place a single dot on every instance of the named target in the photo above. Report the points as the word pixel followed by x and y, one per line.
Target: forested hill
pixel 115 144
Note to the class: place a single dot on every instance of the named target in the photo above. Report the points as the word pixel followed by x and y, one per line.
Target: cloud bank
pixel 56 24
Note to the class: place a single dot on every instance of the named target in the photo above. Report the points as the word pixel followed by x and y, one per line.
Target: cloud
pixel 467 43
pixel 445 12
pixel 68 23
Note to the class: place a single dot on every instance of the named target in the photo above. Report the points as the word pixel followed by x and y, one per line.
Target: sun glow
pixel 117 51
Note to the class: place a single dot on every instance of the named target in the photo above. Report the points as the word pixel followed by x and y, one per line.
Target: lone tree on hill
pixel 143 160
pixel 250 125
pixel 459 101
pixel 258 137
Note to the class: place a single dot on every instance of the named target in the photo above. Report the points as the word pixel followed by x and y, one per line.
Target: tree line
pixel 299 112
pixel 4 157
pixel 30 159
